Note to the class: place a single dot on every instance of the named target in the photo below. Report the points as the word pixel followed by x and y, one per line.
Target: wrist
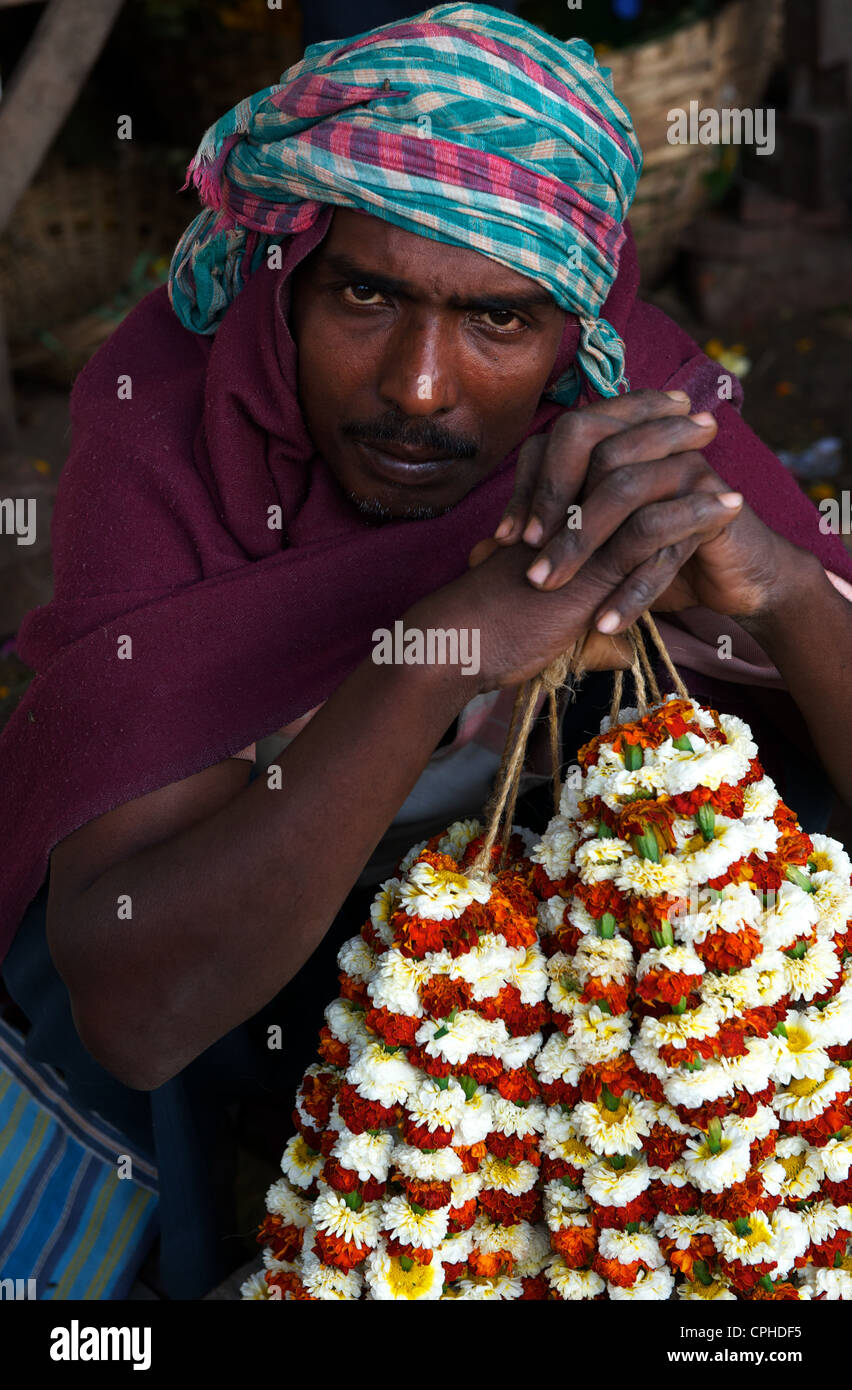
pixel 797 586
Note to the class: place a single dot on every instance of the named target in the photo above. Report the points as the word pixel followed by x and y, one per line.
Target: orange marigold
pixel 576 1245
pixel 344 1254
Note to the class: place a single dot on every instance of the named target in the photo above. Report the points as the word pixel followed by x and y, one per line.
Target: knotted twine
pixel 564 673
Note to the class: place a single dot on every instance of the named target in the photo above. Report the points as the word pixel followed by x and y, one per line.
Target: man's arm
pixel 806 631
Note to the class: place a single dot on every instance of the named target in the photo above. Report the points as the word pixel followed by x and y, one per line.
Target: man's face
pixel 420 364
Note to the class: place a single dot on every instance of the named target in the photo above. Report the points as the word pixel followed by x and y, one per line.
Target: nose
pixel 417 375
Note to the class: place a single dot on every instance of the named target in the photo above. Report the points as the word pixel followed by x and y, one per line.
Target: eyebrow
pixel 388 284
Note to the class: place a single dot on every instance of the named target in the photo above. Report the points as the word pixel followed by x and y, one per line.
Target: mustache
pixel 411 434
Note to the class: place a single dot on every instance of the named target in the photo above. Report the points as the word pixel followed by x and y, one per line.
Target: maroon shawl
pixel 160 534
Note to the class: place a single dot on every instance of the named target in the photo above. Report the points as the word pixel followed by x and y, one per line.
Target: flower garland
pixel 619 1069
pixel 698 1138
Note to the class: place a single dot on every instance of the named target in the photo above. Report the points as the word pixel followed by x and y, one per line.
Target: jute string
pixel 563 673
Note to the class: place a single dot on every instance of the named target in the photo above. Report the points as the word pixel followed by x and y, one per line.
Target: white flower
pixel 678 1030
pixel 439 894
pixel 366 1154
pixel 282 1201
pixel 805 1098
pixel 831 1024
pixel 383 907
pixel 694 1088
pixel 299 1165
pixel 528 974
pixel 458 837
pixel 456 1249
pixel 573 1284
pixel 607 959
pixel 792 914
pixel 357 959
pixel 525 1120
pixel 464 1186
pixel 466 1034
pixel 760 799
pixel 680 960
pixel 833 900
pixel 753 1127
pixel 836 1158
pixel 615 1187
pixel 397 982
pixel 713 1172
pixel 735 907
pixel 598 1037
pixel 627 1247
pixel 476 1119
pixel 519 1240
pixel 813 973
pixel 328 1283
pixel 388 1280
pixel 823 1220
pixel 801 1054
pixel 613 1131
pixel 831 856
pixel 682 1229
pixel 656 1285
pixel 560 1140
pixel 557 1061
pixel 346 1023
pixel 598 859
pixel 486 967
pixel 556 847
pixel 516 1052
pixel 435 1108
pixel 335 1218
pixel 836 1284
pixel 716 1291
pixel 731 841
pixel 514 1178
pixel 422 1228
pixel 753 1068
pixel 550 914
pixel 440 1165
pixel 503 1287
pixel 383 1076
pixel 570 797
pixel 646 879
pixel 410 858
pixel 255 1286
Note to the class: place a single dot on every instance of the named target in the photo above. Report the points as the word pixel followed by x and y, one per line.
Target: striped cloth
pixel 464 124
pixel 67 1221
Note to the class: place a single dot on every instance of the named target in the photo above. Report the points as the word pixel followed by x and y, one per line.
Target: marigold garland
pixel 618 1069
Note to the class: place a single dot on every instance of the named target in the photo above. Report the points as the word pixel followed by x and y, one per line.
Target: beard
pixel 376 511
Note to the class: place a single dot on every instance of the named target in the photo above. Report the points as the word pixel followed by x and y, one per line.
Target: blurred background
pixel 751 253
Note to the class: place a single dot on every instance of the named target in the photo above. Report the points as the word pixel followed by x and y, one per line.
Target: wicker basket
pixel 724 61
pixel 71 247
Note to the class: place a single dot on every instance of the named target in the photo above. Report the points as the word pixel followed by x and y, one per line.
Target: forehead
pixel 431 268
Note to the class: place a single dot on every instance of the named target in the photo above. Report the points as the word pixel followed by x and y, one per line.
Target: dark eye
pixel 362 294
pixel 502 318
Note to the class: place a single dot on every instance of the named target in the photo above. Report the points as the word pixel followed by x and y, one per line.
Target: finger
pixel 482 551
pixel 618 496
pixel 526 471
pixel 564 462
pixel 651 439
pixel 671 532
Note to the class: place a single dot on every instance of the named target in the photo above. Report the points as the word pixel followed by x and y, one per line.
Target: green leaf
pixel 610 1101
pixel 742 1227
pixel 353 1200
pixel 406 1263
pixel 468 1085
pixel 683 744
pixel 606 926
pixel 633 755
pixel 680 1006
pixel 646 845
pixel 795 875
pixel 702 1272
pixel 706 818
pixel 714 1136
pixel 421 1211
pixel 604 832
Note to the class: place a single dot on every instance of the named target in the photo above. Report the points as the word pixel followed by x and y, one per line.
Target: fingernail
pixel 538 572
pixel 609 622
pixel 678 395
pixel 534 532
pixel 730 499
pixel 503 530
pixel 703 418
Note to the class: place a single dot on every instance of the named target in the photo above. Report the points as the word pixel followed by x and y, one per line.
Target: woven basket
pixel 720 62
pixel 71 247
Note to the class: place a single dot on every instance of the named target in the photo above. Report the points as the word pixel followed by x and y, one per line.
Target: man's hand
pixel 634 465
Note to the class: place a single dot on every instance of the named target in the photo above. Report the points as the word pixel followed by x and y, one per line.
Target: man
pixel 389 420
